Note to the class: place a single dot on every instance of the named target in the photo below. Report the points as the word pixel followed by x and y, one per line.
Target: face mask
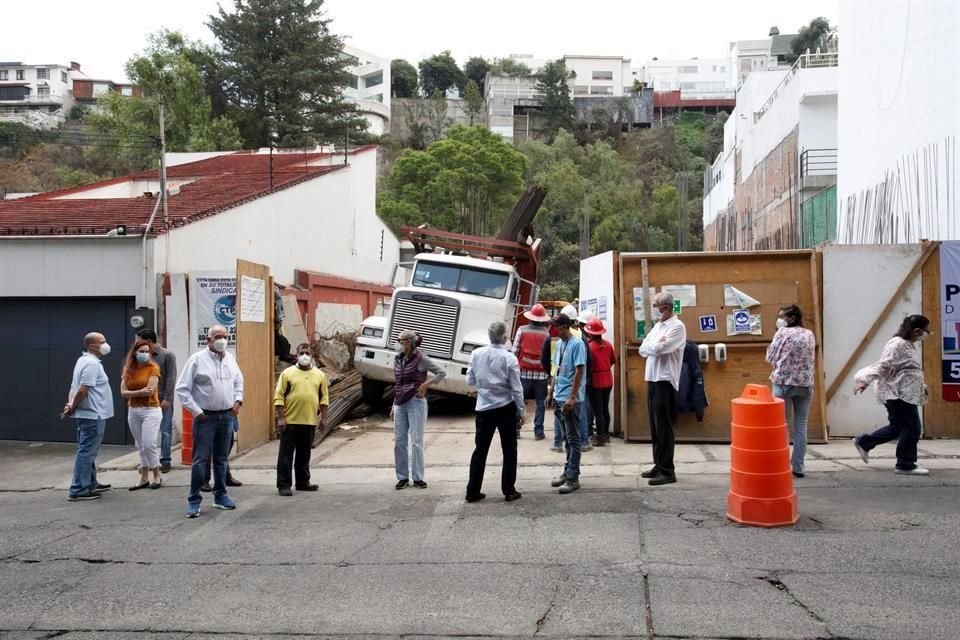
pixel 923 336
pixel 142 357
pixel 303 360
pixel 398 347
pixel 657 315
pixel 220 345
pixel 104 349
pixel 781 323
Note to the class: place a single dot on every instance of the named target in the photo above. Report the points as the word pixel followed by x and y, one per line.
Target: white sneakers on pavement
pixel 864 454
pixel 916 471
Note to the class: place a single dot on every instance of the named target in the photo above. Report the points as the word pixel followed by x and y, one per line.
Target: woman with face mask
pixel 900 388
pixel 791 354
pixel 141 378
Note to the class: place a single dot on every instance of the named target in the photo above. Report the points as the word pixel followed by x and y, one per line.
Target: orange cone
pixel 186 439
pixel 761 483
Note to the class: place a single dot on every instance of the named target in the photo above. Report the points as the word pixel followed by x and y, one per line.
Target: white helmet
pixel 585 316
pixel 569 311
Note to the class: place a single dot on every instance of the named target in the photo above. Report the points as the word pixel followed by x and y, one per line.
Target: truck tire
pixel 372 391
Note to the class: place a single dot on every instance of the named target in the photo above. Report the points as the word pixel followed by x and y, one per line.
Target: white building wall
pixel 585 66
pixel 899 119
pixel 371 96
pixel 695 78
pixel 723 191
pixel 328 224
pixel 818 122
pixel 61 267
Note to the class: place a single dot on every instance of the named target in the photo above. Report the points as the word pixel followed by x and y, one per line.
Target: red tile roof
pixel 218 184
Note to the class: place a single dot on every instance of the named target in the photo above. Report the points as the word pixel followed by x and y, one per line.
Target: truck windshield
pixel 489 284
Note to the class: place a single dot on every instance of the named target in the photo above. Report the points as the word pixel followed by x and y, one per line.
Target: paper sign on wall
pixel 602 308
pixel 950 321
pixel 252 299
pixel 686 294
pixel 733 297
pixel 639 300
pixel 708 324
pixel 742 322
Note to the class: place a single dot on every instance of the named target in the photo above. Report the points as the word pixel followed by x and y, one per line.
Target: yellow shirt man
pixel 300 400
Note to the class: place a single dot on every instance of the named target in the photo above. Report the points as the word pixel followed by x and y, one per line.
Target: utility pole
pixel 163 189
pixel 585 231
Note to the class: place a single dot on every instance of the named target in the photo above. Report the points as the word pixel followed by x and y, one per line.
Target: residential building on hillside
pixel 369 88
pixel 899 128
pixel 38 95
pixel 694 78
pixel 747 56
pixel 601 75
pixel 774 184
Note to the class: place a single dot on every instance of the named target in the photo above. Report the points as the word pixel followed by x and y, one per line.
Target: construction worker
pixel 528 347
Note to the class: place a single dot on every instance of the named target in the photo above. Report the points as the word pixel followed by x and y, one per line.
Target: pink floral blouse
pixel 898 374
pixel 792 355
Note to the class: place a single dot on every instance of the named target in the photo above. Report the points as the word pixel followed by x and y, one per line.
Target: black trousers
pixel 600 404
pixel 504 420
pixel 662 407
pixel 296 439
pixel 904 427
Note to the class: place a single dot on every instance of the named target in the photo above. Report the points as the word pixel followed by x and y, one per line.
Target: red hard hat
pixel 537 313
pixel 595 327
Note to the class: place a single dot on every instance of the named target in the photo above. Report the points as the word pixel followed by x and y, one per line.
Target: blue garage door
pixel 40 341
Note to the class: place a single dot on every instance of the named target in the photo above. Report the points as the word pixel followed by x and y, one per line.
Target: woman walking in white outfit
pixel 141 377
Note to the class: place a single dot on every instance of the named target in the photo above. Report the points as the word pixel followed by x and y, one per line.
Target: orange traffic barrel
pixel 186 441
pixel 761 482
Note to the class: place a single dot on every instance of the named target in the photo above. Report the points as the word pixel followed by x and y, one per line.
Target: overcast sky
pixel 103 34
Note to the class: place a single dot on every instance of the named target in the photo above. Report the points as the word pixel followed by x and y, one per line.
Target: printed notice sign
pixel 252 299
pixel 708 324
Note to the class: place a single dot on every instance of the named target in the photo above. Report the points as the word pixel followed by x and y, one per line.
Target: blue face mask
pixel 142 357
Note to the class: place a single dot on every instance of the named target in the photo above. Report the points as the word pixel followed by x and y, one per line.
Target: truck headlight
pixel 372 332
pixel 469 347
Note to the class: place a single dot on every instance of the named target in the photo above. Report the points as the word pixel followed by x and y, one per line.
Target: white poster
pixel 733 297
pixel 639 300
pixel 685 293
pixel 213 300
pixel 950 320
pixel 252 292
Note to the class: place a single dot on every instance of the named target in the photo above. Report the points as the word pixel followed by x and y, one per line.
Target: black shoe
pixel 88 496
pixel 650 473
pixel 476 498
pixel 137 487
pixel 156 485
pixel 205 487
pixel 308 487
pixel 510 497
pixel 420 484
pixel 233 482
pixel 559 481
pixel 165 467
pixel 662 478
pixel 103 487
pixel 402 484
pixel 797 474
pixel 539 436
pixel 285 491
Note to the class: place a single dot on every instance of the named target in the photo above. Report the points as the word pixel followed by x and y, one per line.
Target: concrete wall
pixel 327 224
pixel 401 108
pixel 849 308
pixel 75 267
pixel 898 121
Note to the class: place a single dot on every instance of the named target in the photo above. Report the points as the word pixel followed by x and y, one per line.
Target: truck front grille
pixel 433 317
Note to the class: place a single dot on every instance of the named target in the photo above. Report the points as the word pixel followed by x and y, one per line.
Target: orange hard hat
pixel 595 327
pixel 537 313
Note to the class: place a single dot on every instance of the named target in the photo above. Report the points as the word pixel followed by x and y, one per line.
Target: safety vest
pixel 530 346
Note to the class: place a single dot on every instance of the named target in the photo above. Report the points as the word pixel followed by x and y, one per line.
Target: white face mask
pixel 657 315
pixel 142 357
pixel 104 349
pixel 781 323
pixel 923 337
pixel 303 360
pixel 220 345
pixel 399 347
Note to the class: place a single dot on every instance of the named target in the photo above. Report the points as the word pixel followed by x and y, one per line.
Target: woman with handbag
pixel 900 388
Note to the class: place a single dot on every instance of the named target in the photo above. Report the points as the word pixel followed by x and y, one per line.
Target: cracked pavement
pixel 874 555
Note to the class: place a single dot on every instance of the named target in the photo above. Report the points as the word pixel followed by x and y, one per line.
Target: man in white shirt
pixel 211 389
pixel 495 372
pixel 663 349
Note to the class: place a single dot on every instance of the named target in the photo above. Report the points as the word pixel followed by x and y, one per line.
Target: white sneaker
pixel 864 454
pixel 916 471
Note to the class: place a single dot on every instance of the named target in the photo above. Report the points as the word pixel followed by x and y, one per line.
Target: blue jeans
pixel 557 430
pixel 571 424
pixel 538 390
pixel 166 433
pixel 89 437
pixel 796 402
pixel 586 417
pixel 210 435
pixel 409 422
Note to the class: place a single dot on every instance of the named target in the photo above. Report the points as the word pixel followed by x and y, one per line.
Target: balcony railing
pixel 806 61
pixel 818 162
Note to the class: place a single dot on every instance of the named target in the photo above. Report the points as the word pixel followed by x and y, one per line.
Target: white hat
pixel 585 316
pixel 569 311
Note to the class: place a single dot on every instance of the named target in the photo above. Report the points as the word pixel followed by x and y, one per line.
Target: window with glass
pixel 43 74
pixel 602 91
pixel 580 89
pixel 43 93
pixel 63 77
pixel 446 277
pixel 603 75
pixel 20 74
pixel 373 79
pixel 4 74
pixel 688 69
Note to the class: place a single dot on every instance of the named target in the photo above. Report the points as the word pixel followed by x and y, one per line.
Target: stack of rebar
pixel 520 218
pixel 345 394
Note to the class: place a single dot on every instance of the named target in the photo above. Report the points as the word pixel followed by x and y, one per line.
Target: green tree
pixel 476 69
pixel 285 73
pixel 425 120
pixel 466 182
pixel 510 67
pixel 553 92
pixel 403 79
pixel 714 135
pixel 439 74
pixel 815 35
pixel 128 126
pixel 472 102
